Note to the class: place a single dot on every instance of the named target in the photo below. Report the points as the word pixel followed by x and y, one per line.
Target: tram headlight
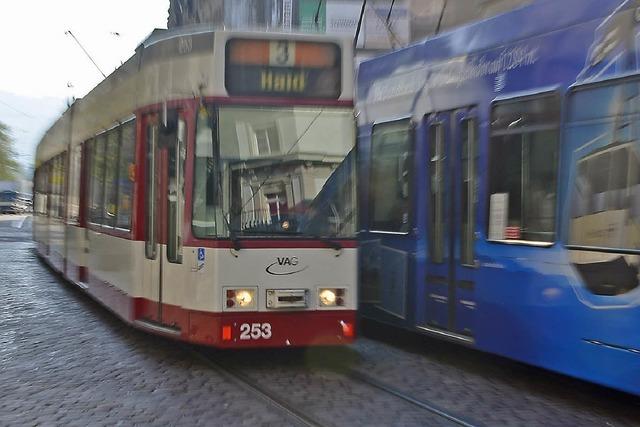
pixel 240 299
pixel 244 298
pixel 331 297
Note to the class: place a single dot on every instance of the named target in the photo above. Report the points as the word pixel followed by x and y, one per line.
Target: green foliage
pixel 9 166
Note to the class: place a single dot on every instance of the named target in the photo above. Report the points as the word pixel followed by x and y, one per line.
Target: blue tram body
pixel 499 176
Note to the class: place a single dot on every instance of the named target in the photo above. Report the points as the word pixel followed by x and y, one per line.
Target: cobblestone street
pixel 65 360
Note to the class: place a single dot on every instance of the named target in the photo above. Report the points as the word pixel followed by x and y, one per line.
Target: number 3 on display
pixel 282 53
pixel 255 331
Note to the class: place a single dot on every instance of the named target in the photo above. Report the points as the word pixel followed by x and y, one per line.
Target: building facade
pixel 387 24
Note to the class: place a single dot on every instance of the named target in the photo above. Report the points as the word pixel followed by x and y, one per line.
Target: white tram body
pixel 204 190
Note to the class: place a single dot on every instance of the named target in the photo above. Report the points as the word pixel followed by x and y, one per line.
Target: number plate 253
pixel 255 331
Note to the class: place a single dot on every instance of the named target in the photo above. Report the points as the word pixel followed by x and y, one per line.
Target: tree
pixel 9 166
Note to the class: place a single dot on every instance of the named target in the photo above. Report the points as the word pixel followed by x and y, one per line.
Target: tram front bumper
pixel 270 329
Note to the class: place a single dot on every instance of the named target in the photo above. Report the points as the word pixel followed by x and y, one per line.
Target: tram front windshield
pixel 274 171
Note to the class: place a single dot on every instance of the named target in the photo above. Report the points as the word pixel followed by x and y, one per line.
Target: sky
pixel 41 68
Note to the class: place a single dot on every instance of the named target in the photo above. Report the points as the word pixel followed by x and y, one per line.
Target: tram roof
pixel 147 78
pixel 522 23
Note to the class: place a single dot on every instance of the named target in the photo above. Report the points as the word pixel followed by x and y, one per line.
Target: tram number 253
pixel 255 331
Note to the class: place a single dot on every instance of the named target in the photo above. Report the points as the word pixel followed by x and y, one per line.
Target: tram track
pixel 282 405
pixel 427 406
pixel 305 418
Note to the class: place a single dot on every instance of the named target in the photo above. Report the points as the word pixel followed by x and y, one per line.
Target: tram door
pixel 452 139
pixel 165 152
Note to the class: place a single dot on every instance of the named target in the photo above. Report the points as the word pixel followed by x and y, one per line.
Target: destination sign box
pixel 283 68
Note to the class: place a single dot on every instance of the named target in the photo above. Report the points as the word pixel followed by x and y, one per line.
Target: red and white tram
pixel 205 189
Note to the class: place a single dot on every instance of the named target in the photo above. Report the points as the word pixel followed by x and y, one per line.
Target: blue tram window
pixel 390 176
pixel 523 162
pixel 604 133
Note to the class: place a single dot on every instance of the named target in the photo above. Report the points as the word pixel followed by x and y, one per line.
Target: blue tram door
pixel 451 223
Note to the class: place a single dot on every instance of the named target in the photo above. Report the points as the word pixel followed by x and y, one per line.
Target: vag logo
pixel 287 260
pixel 284 266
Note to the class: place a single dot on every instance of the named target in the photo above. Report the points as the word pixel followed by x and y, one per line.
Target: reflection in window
pixel 605 203
pixel 390 176
pixel 523 163
pixel 603 132
pixel 281 171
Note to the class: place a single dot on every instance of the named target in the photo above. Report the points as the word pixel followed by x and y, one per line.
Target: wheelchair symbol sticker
pixel 200 258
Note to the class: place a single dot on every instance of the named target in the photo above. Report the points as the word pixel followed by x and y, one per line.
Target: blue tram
pixel 499 169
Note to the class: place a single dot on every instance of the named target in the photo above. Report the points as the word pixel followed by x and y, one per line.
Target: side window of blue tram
pixel 523 162
pixel 391 156
pixel 603 131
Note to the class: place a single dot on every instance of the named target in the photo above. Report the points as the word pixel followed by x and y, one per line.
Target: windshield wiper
pixel 332 243
pixel 235 240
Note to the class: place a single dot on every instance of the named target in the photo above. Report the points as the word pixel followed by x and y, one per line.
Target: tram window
pixel 605 134
pixel 390 176
pixel 53 194
pixel 49 184
pixel 126 175
pixel 62 175
pixel 111 178
pixel 56 187
pixel 437 160
pixel 175 196
pixel 523 166
pixel 151 187
pixel 469 194
pixel 97 179
pixel 40 193
pixel 206 179
pixel 74 184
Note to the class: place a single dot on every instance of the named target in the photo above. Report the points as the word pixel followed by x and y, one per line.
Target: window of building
pixel 390 176
pixel 523 158
pixel 126 175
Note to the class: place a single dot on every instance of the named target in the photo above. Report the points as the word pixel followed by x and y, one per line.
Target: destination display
pixel 283 68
